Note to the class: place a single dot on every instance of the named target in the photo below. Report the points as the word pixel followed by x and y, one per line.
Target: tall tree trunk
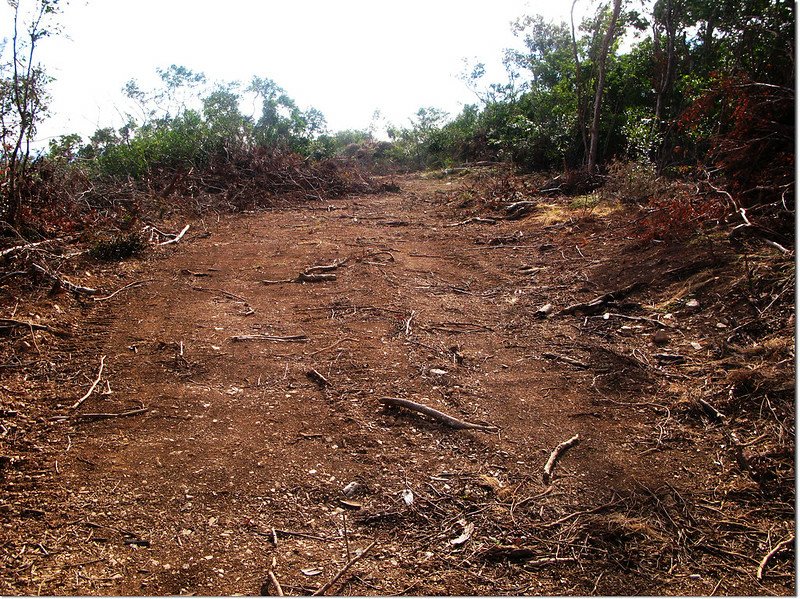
pixel 580 103
pixel 601 81
pixel 666 59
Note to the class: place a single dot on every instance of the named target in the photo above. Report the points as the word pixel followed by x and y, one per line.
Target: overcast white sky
pixel 344 57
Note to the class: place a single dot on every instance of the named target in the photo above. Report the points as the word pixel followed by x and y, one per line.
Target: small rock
pixel 544 311
pixel 661 337
pixel 351 489
pixel 722 325
pixel 437 372
pixel 695 345
pixel 311 571
pixel 408 496
pixel 692 304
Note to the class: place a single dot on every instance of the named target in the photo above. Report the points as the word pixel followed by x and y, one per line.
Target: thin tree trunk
pixel 601 81
pixel 580 104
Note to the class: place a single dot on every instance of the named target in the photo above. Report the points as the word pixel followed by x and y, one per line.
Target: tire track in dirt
pixel 238 440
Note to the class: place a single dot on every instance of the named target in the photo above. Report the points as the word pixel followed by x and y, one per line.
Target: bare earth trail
pixel 237 439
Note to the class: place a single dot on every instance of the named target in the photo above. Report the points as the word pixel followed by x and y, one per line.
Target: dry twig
pixel 763 564
pixel 128 286
pixel 276 338
pixel 437 415
pixel 94 384
pixel 61 282
pixel 556 455
pixel 274 580
pixel 177 238
pixel 343 571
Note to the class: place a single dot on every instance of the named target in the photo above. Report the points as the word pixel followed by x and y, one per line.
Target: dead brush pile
pixel 67 198
pixel 111 219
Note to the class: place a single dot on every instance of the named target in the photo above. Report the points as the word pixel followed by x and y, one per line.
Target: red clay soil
pixel 238 414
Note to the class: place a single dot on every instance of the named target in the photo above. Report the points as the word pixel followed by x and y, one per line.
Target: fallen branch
pixel 670 358
pixel 318 378
pixel 437 415
pixel 556 455
pixel 595 305
pixel 94 384
pixel 128 286
pixel 26 246
pixel 177 238
pixel 321 590
pixel 90 417
pixel 10 323
pixel 325 267
pixel 519 209
pixel 771 554
pixel 514 553
pixel 60 282
pixel 565 359
pixel 658 323
pixel 711 410
pixel 303 277
pixel 275 338
pixel 474 219
pixel 310 277
pixel 777 246
pixel 274 580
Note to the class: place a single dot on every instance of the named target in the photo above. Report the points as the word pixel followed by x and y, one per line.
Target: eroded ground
pixel 234 460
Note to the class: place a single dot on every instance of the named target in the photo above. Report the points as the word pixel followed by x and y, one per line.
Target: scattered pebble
pixel 661 337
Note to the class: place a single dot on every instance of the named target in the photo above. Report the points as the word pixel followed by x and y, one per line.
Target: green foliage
pixel 171 135
pixel 673 56
pixel 118 247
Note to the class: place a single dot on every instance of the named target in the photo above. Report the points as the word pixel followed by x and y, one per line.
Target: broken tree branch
pixel 474 219
pixel 104 416
pixel 10 323
pixel 653 321
pixel 26 246
pixel 310 277
pixel 437 415
pixel 317 378
pixel 566 359
pixel 128 286
pixel 177 238
pixel 321 590
pixel 94 384
pixel 595 305
pixel 303 277
pixel 325 267
pixel 771 554
pixel 61 282
pixel 276 338
pixel 274 580
pixel 556 455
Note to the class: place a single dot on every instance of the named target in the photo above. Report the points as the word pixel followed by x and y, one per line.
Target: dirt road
pixel 236 455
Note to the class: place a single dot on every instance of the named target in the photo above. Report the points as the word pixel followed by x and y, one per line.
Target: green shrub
pixel 118 247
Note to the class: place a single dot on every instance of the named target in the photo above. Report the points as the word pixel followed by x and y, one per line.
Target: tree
pixel 23 98
pixel 579 91
pixel 594 134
